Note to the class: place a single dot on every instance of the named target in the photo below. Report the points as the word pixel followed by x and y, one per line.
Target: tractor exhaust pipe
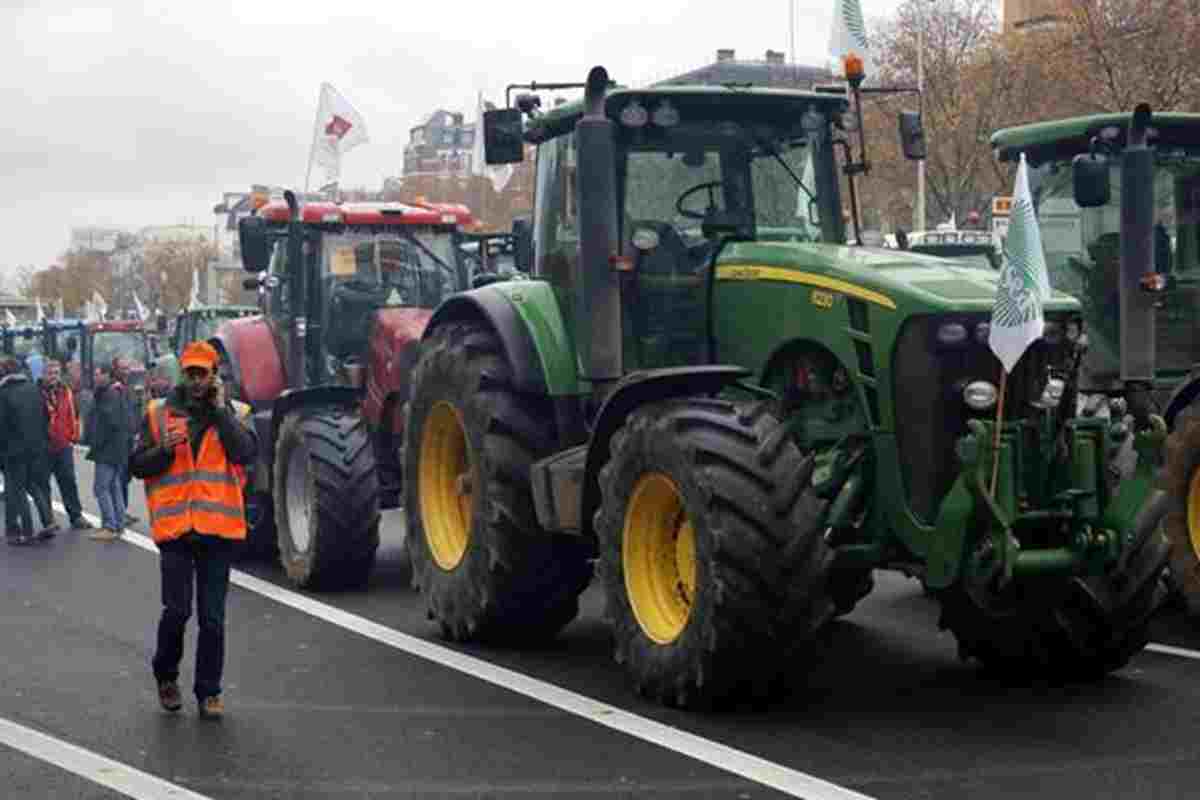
pixel 1137 253
pixel 598 296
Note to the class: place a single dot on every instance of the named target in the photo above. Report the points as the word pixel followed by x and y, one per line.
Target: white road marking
pixel 96 768
pixel 738 762
pixel 1170 650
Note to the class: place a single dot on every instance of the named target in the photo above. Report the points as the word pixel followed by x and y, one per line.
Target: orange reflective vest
pixel 201 493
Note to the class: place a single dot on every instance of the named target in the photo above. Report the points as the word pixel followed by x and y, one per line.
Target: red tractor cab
pixel 347 290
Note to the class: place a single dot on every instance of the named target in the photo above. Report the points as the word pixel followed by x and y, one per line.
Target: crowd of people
pixel 192 449
pixel 39 427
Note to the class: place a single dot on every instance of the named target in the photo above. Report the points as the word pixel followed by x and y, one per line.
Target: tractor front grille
pixel 931 416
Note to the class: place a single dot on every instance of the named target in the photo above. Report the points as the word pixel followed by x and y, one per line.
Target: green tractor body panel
pixel 538 307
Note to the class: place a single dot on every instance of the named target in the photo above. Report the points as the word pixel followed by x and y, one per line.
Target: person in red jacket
pixel 64 433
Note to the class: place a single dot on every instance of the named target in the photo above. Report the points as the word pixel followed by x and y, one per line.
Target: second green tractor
pixel 709 398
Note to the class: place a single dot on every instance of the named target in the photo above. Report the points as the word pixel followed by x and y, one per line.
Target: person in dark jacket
pixel 110 436
pixel 25 439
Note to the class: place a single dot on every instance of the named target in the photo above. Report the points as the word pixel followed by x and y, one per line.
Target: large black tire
pixel 1062 629
pixel 487 570
pixel 326 499
pixel 725 584
pixel 1181 480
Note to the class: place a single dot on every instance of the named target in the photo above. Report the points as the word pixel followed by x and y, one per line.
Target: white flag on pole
pixel 41 315
pixel 142 312
pixel 9 319
pixel 194 297
pixel 339 128
pixel 849 35
pixel 98 304
pixel 1024 285
pixel 499 174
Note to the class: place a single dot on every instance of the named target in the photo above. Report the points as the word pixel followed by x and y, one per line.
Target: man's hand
pixel 173 439
pixel 218 392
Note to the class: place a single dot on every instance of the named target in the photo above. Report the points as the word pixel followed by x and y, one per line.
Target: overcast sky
pixel 138 114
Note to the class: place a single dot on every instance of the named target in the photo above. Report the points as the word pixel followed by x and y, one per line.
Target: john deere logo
pixel 822 299
pixel 1017 292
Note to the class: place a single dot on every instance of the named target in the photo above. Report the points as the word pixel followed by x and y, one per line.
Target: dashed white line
pixel 737 762
pixel 96 768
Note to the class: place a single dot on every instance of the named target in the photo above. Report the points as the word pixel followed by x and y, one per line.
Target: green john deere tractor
pixel 1130 187
pixel 737 416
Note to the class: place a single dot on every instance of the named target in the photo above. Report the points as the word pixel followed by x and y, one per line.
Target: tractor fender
pixel 312 397
pixel 254 359
pixel 1183 396
pixel 496 305
pixel 635 390
pixel 392 354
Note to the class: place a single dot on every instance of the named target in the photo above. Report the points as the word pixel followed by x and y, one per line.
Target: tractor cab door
pixel 277 306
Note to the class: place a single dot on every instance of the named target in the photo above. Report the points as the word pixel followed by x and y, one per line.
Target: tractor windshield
pixel 129 345
pixel 757 174
pixel 1083 250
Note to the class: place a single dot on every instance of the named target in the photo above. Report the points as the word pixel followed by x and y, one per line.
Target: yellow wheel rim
pixel 445 488
pixel 1193 513
pixel 658 553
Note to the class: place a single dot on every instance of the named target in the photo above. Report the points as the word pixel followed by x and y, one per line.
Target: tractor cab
pixel 1103 197
pixel 338 271
pixel 201 323
pixel 24 342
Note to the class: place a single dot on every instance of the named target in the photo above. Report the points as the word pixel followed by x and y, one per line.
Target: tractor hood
pixel 898 280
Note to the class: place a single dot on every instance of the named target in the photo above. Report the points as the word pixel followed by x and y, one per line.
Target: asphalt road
pixel 330 704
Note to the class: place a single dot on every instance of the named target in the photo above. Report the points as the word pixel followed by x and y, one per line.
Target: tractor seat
pixel 351 309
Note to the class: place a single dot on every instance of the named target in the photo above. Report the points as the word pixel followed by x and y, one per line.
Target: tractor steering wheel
pixel 711 186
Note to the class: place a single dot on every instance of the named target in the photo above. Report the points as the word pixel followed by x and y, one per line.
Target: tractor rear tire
pixel 1072 629
pixel 326 499
pixel 712 553
pixel 487 570
pixel 1181 480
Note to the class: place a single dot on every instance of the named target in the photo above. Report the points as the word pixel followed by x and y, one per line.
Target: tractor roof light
pixel 951 333
pixel 852 65
pixel 666 115
pixel 634 115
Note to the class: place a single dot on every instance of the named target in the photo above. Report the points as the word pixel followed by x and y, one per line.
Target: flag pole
pixel 996 436
pixel 313 144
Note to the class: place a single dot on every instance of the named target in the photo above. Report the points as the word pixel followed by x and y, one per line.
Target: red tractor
pixel 82 346
pixel 346 291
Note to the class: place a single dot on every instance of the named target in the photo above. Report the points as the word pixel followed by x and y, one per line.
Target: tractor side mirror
pixel 912 135
pixel 502 142
pixel 1090 177
pixel 256 249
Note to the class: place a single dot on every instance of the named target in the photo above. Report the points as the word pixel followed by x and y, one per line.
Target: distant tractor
pixel 348 291
pixel 193 324
pixel 738 417
pixel 1136 182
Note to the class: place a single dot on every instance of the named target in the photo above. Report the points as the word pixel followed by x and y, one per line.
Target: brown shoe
pixel 103 535
pixel 168 696
pixel 212 707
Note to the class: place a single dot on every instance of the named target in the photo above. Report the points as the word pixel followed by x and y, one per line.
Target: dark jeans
pixel 208 559
pixel 18 475
pixel 62 467
pixel 39 488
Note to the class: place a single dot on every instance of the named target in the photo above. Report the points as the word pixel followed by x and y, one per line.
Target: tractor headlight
pixel 634 115
pixel 951 333
pixel 1052 394
pixel 982 331
pixel 980 395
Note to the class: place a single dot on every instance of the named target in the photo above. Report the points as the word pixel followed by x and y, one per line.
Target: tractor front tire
pixel 1062 629
pixel 1181 480
pixel 711 553
pixel 487 570
pixel 326 499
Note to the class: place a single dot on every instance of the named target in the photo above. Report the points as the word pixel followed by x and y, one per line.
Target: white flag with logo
pixel 41 315
pixel 498 174
pixel 194 297
pixel 9 319
pixel 849 35
pixel 339 128
pixel 1024 285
